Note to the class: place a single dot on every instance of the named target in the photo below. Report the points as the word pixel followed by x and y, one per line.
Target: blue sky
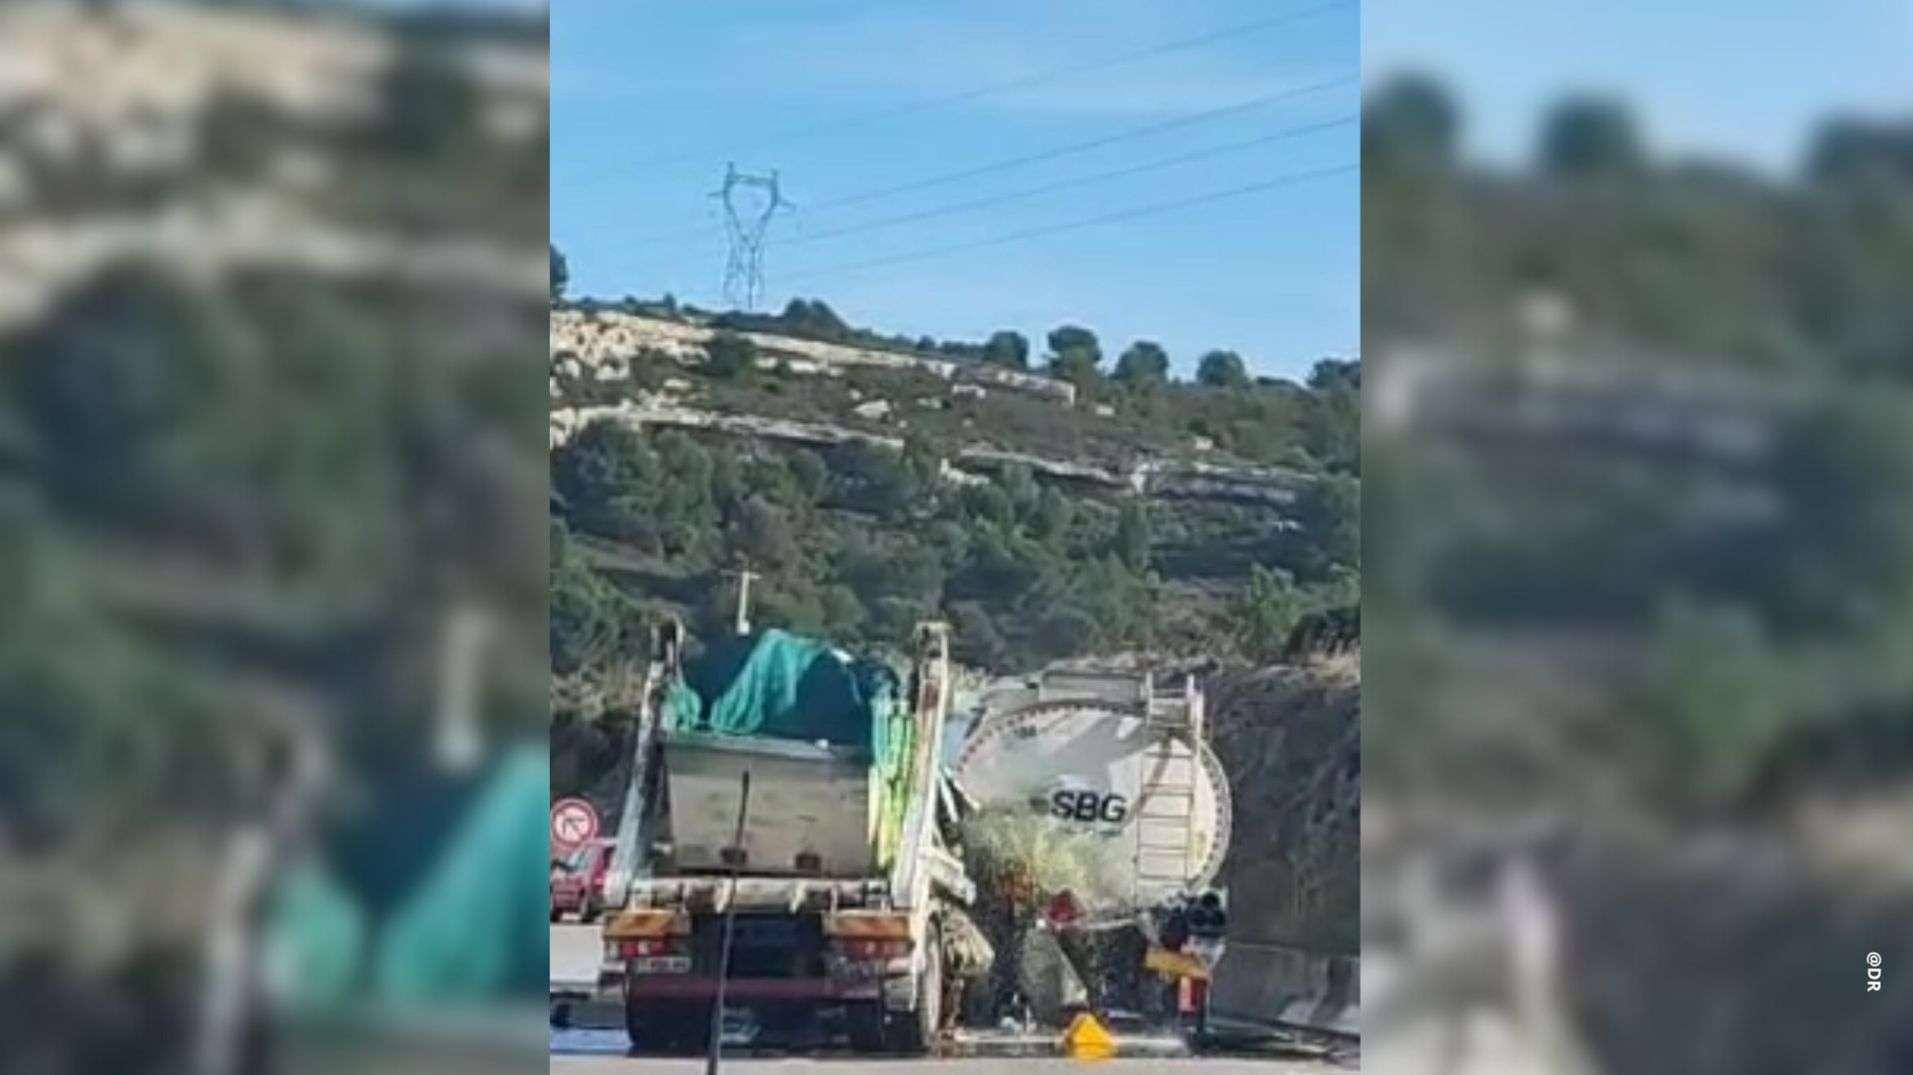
pixel 1746 81
pixel 649 101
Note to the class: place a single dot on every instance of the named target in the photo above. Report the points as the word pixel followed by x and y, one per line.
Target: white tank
pixel 1106 758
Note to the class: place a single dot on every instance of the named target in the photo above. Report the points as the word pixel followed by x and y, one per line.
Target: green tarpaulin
pixel 476 926
pixel 473 928
pixel 776 685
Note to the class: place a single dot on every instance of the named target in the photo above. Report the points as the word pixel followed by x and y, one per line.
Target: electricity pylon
pixel 746 221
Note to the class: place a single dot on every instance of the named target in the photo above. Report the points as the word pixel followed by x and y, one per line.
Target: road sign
pixel 574 823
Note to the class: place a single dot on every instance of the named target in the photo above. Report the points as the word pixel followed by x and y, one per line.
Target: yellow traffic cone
pixel 1087 1039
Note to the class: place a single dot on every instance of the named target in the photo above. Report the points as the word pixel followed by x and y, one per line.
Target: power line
pixel 1065 184
pixel 1023 82
pixel 1145 130
pixel 1106 218
pixel 1093 143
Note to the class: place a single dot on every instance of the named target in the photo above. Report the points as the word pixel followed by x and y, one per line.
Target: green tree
pixel 560 274
pixel 813 319
pixel 1142 363
pixel 1066 630
pixel 999 568
pixel 685 511
pixel 988 503
pixel 871 479
pixel 608 478
pixel 923 462
pixel 587 615
pixel 1332 428
pixel 729 354
pixel 1332 373
pixel 1409 126
pixel 1266 612
pixel 844 614
pixel 976 640
pixel 1050 517
pixel 1329 512
pixel 730 482
pixel 810 473
pixel 1020 486
pixel 1132 539
pixel 762 534
pixel 788 603
pixel 1590 136
pixel 1008 348
pixel 430 99
pixel 1222 369
pixel 1849 149
pixel 1074 354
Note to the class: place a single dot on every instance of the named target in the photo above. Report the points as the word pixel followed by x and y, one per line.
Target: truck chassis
pixel 871 946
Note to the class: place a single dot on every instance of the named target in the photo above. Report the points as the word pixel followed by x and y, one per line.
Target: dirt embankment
pixel 592 759
pixel 1289 737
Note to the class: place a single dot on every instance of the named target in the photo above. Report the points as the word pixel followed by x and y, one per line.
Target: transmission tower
pixel 749 203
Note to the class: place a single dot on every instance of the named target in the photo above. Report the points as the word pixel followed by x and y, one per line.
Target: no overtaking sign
pixel 574 823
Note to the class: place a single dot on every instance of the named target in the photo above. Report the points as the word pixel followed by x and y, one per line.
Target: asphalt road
pixel 596 1044
pixel 619 1065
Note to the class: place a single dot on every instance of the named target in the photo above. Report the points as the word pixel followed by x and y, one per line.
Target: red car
pixel 577 882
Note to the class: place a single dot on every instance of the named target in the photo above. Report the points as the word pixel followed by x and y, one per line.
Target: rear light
pixel 867 925
pixel 641 949
pixel 862 948
pixel 647 923
pixel 865 936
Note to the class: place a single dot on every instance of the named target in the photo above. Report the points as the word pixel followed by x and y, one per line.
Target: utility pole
pixel 746 225
pixel 744 578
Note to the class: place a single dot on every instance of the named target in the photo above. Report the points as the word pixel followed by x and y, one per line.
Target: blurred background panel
pixel 1639 549
pixel 272 558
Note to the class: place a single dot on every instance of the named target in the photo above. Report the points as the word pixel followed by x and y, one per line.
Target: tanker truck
pixel 1117 767
pixel 797 791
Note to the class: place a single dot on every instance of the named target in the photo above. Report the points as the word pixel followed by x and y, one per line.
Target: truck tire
pixel 691 1027
pixel 863 1021
pixel 665 1026
pixel 915 1032
pixel 643 1024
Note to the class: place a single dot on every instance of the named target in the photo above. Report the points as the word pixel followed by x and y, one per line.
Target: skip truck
pixel 836 867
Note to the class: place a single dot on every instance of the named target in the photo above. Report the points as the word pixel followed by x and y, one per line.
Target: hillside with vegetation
pixel 1644 571
pixel 1657 480
pixel 943 499
pixel 271 438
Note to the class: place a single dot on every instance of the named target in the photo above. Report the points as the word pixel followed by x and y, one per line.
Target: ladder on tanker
pixel 1166 855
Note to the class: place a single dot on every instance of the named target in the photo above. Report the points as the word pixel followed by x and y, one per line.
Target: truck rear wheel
pixel 916 1032
pixel 643 1024
pixel 863 1021
pixel 666 1026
